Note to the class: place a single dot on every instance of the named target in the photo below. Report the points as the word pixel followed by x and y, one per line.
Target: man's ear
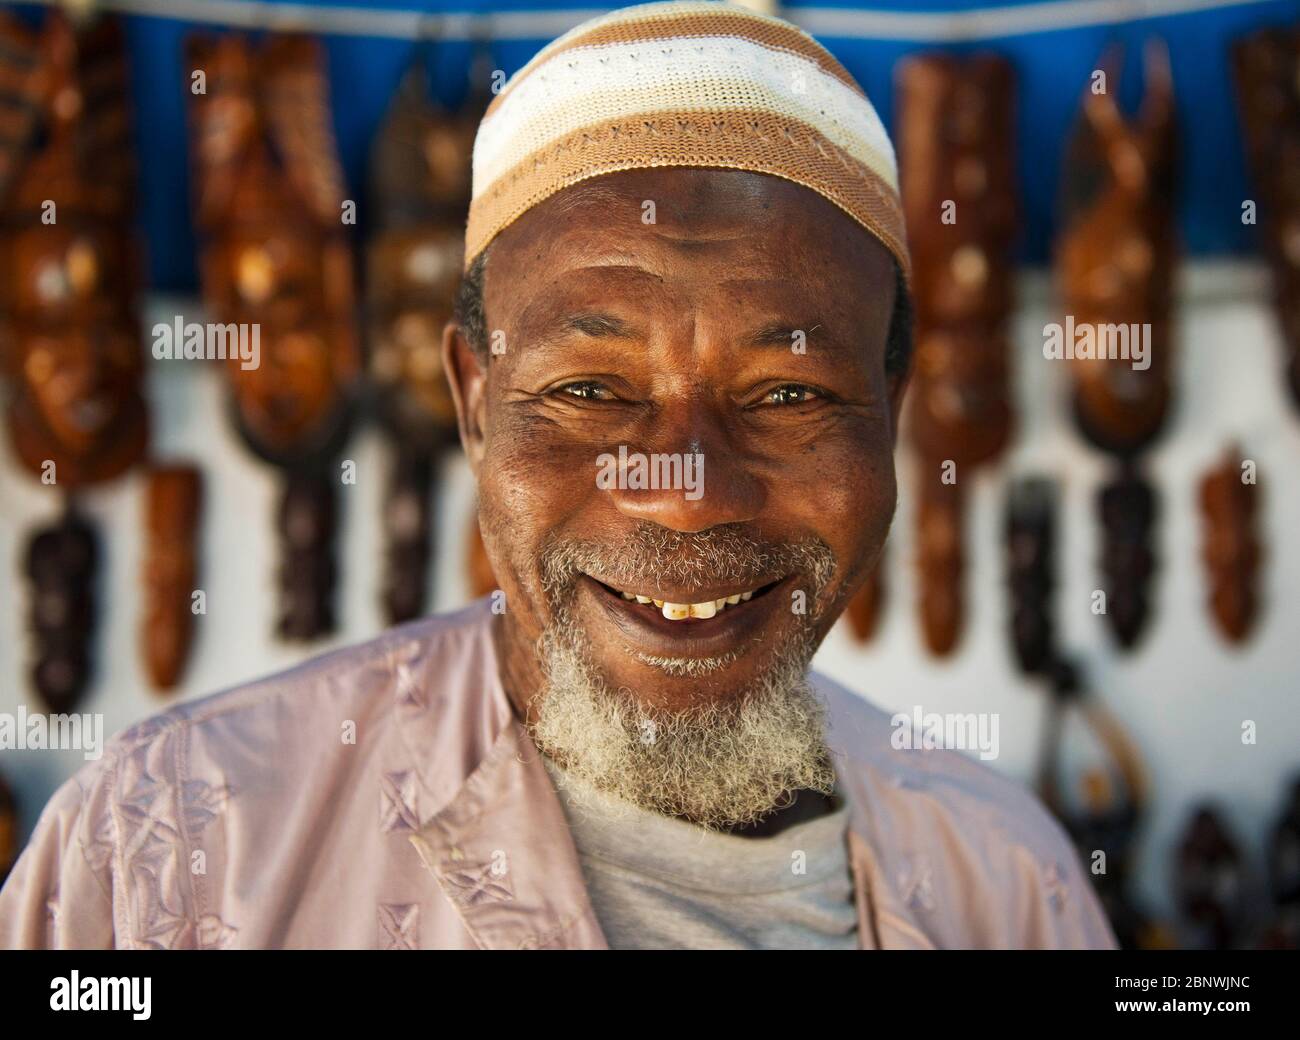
pixel 468 381
pixel 896 386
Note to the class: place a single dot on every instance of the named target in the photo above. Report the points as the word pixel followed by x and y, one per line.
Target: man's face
pixel 714 315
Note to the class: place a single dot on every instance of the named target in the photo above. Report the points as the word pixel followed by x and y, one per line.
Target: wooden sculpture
pixel 172 509
pixel 420 187
pixel 864 609
pixel 1284 875
pixel 1267 69
pixel 1209 882
pixel 941 560
pixel 1104 814
pixel 1104 817
pixel 1230 548
pixel 62 561
pixel 956 158
pixel 270 208
pixel 1031 537
pixel 69 335
pixel 1127 507
pixel 1114 263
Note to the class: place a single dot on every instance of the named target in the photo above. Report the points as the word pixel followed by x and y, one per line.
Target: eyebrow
pixel 778 334
pixel 601 325
pixel 596 323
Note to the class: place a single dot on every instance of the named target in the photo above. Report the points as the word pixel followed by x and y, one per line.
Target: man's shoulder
pixel 916 783
pixel 961 854
pixel 350 684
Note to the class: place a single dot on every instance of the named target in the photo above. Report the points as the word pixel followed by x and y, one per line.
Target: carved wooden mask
pixel 1267 70
pixel 270 206
pixel 69 338
pixel 1116 252
pixel 420 183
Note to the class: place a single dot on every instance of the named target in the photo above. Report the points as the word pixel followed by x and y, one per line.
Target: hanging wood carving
pixel 865 609
pixel 69 335
pixel 270 208
pixel 172 509
pixel 1127 507
pixel 1266 65
pixel 1103 806
pixel 1209 882
pixel 1284 875
pixel 1031 568
pixel 957 169
pixel 420 187
pixel 1115 261
pixel 1230 545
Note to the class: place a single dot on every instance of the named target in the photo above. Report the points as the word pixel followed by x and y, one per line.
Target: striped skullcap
pixel 683 84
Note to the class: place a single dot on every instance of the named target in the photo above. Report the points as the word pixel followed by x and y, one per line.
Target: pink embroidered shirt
pixel 385 796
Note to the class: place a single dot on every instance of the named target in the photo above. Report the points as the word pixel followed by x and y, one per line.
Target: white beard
pixel 718 764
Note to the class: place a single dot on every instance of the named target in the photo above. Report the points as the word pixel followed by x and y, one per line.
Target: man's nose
pixel 687 476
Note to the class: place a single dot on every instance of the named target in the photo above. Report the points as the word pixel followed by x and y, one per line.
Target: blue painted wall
pixel 1053 68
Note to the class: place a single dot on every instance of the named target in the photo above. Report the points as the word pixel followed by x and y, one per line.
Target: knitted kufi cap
pixel 683 84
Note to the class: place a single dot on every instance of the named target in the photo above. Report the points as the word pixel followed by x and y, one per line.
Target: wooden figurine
pixel 69 334
pixel 1127 506
pixel 172 510
pixel 271 209
pixel 1115 261
pixel 1284 875
pixel 1105 816
pixel 1231 549
pixel 420 188
pixel 62 561
pixel 941 559
pixel 865 609
pixel 1266 66
pixel 957 170
pixel 307 523
pixel 1030 538
pixel 1209 882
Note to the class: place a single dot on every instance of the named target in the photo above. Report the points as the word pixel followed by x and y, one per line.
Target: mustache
pixel 649 555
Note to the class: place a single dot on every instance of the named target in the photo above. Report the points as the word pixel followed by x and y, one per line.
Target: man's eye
pixel 586 390
pixel 790 394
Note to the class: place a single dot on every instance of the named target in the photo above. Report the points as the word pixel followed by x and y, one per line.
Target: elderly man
pixel 680 351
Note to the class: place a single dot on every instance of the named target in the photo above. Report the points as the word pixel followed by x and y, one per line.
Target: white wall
pixel 1182 696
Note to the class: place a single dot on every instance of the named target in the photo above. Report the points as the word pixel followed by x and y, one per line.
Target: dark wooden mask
pixel 420 188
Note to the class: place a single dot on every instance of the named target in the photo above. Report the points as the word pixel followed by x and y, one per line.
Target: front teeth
pixel 681 611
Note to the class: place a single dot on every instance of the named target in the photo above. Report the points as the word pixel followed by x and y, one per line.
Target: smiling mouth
pixel 687 622
pixel 701 608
